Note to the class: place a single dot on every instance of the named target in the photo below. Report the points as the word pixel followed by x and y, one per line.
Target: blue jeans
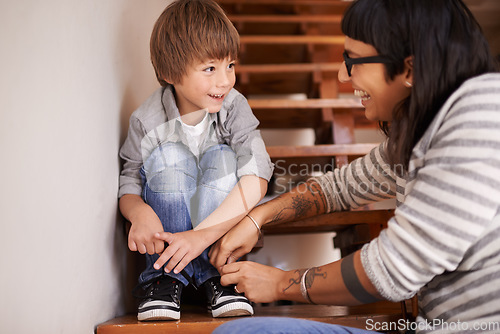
pixel 183 191
pixel 272 325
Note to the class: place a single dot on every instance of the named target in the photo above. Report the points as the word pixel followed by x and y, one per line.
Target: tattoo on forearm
pixel 278 217
pixel 302 205
pixel 352 282
pixel 319 199
pixel 312 274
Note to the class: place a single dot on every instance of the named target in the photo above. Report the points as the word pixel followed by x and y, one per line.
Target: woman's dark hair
pixel 447 45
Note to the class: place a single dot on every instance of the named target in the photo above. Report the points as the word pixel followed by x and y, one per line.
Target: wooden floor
pixel 195 319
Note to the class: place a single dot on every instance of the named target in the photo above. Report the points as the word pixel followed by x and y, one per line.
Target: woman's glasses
pixel 363 60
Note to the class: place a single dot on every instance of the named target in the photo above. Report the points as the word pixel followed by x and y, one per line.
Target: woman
pixel 424 70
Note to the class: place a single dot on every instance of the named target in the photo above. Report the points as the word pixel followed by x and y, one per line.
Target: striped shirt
pixel 443 242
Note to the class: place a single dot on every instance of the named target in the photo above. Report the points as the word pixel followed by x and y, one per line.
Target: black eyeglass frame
pixel 363 60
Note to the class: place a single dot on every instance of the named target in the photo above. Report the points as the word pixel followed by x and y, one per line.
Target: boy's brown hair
pixel 189 31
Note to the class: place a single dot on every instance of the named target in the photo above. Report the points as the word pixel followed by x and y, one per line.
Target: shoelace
pixel 158 288
pixel 216 286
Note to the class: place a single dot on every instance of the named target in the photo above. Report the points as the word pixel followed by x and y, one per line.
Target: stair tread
pixel 198 320
pixel 304 104
pixel 329 222
pixel 292 39
pixel 341 3
pixel 286 18
pixel 284 68
pixel 324 150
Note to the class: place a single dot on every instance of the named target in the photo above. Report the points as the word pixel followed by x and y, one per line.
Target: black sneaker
pixel 224 301
pixel 162 300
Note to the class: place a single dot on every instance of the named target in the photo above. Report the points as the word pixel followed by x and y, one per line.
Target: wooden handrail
pixel 292 39
pixel 327 150
pixel 304 104
pixel 286 68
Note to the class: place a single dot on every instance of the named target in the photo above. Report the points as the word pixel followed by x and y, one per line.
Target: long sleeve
pixel 440 242
pixel 365 180
pixel 238 127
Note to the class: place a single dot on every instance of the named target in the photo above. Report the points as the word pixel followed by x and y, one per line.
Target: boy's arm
pixel 305 200
pixel 145 224
pixel 185 246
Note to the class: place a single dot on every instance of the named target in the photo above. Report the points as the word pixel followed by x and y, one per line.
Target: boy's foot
pixel 162 300
pixel 224 301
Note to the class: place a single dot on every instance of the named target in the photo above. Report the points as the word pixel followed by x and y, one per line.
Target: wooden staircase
pixel 295 47
pixel 196 320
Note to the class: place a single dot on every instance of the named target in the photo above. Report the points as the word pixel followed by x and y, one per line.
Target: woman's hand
pixel 182 248
pixel 259 283
pixel 239 241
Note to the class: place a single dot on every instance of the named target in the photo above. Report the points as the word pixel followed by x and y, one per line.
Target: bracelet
pixel 256 225
pixel 303 288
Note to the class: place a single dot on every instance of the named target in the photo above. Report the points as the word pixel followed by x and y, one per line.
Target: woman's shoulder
pixel 482 81
pixel 479 92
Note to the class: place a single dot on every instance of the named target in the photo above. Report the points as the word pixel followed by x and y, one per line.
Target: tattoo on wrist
pixel 352 282
pixel 311 275
pixel 294 281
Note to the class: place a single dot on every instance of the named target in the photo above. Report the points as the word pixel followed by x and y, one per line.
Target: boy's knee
pixel 169 154
pixel 221 157
pixel 171 168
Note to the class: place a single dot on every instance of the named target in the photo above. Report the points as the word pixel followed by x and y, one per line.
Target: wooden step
pixel 331 222
pixel 288 68
pixel 326 150
pixel 339 3
pixel 285 18
pixel 300 118
pixel 305 104
pixel 198 321
pixel 287 113
pixel 292 39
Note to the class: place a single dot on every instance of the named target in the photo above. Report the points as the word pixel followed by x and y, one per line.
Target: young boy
pixel 194 163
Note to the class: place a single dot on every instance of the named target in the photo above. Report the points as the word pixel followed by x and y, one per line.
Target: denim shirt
pixel 157 119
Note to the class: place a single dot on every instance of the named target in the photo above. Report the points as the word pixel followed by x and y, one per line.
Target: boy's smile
pixel 205 85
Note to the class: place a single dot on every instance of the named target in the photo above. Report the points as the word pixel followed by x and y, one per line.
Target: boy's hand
pixel 141 237
pixel 182 248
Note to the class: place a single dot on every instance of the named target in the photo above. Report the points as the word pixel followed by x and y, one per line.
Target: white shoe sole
pixel 158 310
pixel 236 309
pixel 158 314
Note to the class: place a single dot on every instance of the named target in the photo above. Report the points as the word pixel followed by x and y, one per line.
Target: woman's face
pixel 379 95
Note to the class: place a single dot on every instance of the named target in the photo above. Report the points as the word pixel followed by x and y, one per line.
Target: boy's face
pixel 205 85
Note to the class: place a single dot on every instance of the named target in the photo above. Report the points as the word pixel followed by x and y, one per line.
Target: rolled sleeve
pixel 240 128
pixel 130 177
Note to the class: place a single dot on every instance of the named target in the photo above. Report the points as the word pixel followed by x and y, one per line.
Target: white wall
pixel 71 72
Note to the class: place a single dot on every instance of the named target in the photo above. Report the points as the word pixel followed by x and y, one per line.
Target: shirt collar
pixel 170 106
